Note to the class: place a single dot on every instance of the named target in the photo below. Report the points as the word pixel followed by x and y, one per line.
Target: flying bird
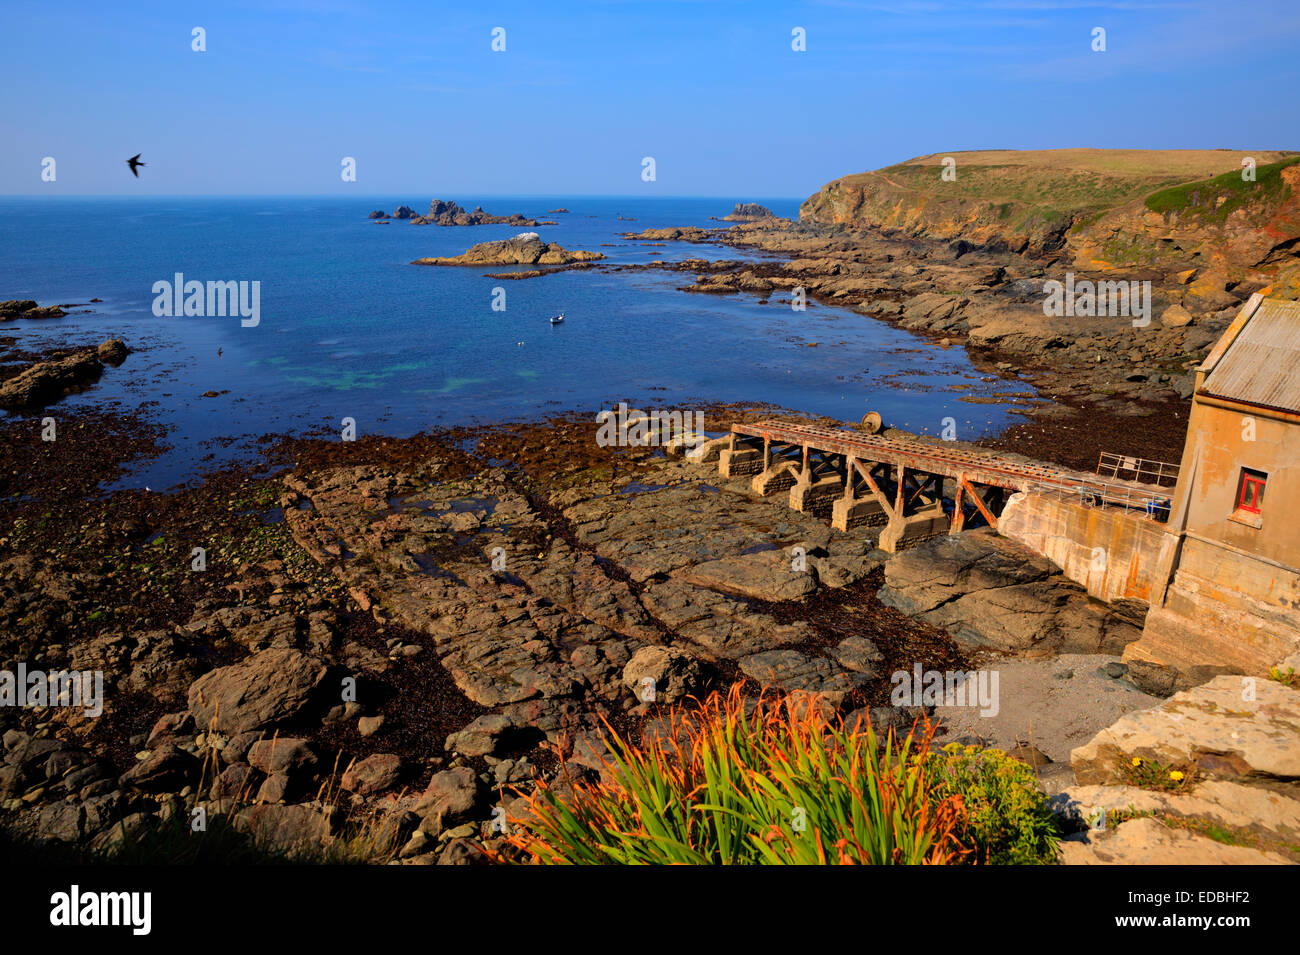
pixel 134 162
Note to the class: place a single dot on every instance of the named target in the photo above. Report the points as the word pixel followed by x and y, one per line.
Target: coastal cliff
pixel 1165 210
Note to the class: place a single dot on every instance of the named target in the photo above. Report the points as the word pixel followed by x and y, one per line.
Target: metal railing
pixel 1122 467
pixel 1101 494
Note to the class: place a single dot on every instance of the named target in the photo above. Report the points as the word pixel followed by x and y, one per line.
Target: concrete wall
pixel 1114 553
pixel 1223 610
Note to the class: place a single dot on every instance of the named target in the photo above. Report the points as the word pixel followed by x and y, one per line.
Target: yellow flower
pixel 1175 775
pixel 1137 761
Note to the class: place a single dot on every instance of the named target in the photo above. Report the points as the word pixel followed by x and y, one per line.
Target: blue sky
pixel 711 90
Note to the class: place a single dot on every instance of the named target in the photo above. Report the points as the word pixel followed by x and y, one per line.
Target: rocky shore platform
pixel 370 649
pixel 989 300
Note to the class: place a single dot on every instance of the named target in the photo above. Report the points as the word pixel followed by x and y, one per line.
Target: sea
pixel 349 328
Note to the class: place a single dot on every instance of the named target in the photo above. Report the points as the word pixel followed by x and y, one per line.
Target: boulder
pixel 266 690
pixel 281 755
pixel 793 671
pixel 288 829
pixel 675 674
pixel 112 352
pixel 1225 803
pixel 1175 316
pixel 483 737
pixel 238 781
pixel 449 800
pixel 858 653
pixel 166 769
pixel 373 774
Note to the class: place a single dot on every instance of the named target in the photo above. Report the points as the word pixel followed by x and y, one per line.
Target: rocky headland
pixel 967 260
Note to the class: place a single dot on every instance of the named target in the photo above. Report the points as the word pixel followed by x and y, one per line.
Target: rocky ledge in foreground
pixel 527 248
pixel 47 381
pixel 1209 777
pixel 484 618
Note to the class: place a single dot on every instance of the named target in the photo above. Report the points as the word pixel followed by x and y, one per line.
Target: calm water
pixel 350 329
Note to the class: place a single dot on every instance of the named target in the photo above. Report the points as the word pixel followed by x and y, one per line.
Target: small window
pixel 1250 491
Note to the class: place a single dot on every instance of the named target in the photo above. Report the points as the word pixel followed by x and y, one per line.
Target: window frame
pixel 1251 478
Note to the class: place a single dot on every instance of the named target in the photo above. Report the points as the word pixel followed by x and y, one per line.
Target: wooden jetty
pixel 914 488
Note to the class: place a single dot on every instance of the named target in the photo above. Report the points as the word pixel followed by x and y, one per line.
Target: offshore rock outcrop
pixel 447 213
pixel 47 381
pixel 527 248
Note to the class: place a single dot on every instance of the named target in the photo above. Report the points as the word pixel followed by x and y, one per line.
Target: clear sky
pixel 583 91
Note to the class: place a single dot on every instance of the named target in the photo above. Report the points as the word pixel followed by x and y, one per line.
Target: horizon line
pixel 371 195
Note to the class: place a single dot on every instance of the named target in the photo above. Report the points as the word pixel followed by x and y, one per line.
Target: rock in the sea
pixel 112 352
pixel 527 248
pixel 47 381
pixel 745 211
pixel 16 308
pixel 449 213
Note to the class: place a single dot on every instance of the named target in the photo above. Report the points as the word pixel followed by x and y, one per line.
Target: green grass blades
pixel 742 781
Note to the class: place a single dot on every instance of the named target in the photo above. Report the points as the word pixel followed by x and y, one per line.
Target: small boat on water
pixel 557 319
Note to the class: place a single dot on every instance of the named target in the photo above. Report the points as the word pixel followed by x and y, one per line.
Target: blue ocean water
pixel 350 329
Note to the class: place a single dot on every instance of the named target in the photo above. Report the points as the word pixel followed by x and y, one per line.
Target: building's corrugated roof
pixel 1261 366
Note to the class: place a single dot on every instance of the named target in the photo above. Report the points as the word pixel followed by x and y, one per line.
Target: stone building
pixel 1225 590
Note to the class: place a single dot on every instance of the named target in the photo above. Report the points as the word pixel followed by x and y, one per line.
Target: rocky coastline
pixel 396 638
pixel 389 642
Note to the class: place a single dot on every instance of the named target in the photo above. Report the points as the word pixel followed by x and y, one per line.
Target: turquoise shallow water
pixel 348 328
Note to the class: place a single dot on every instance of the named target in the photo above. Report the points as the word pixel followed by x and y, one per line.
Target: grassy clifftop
pixel 1098 208
pixel 1019 195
